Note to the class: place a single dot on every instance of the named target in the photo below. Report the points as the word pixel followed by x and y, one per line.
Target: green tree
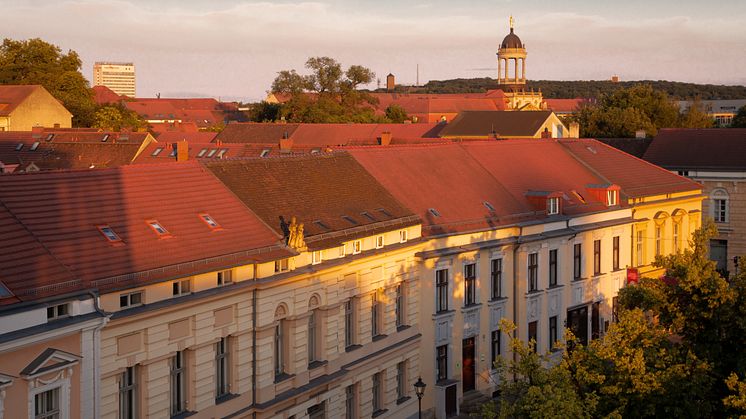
pixel 695 117
pixel 117 117
pixel 396 113
pixel 34 61
pixel 265 112
pixel 739 121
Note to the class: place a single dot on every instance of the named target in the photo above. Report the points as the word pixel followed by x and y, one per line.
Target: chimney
pixel 37 131
pixel 56 126
pixel 385 138
pixel 574 130
pixel 286 143
pixel 182 151
pixel 546 133
pixel 640 133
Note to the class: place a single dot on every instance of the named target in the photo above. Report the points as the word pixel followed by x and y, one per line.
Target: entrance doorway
pixel 468 367
pixel 595 320
pixel 577 322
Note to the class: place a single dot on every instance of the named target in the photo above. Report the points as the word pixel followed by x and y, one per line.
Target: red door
pixel 468 367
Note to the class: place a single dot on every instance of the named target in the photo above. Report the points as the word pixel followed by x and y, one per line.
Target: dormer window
pixel 612 197
pixel 158 228
pixel 209 220
pixel 109 233
pixel 58 311
pixel 402 236
pixel 552 206
pixel 357 247
pixel 316 257
pixel 379 242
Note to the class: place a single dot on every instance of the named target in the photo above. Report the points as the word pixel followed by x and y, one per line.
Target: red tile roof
pixel 62 211
pixel 636 177
pixel 192 137
pixel 323 187
pixel 565 105
pixel 103 95
pixel 164 152
pixel 712 148
pixel 502 123
pixel 13 95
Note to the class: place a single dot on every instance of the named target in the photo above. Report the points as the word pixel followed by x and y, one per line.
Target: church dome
pixel 511 41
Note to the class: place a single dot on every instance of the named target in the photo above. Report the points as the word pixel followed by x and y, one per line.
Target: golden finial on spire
pixel 512 21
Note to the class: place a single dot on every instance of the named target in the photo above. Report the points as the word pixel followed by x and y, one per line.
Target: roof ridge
pixel 584 163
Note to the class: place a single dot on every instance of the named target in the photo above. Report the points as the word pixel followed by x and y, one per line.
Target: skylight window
pixel 434 212
pixel 265 152
pixel 384 212
pixel 321 224
pixel 222 153
pixel 202 152
pixel 315 150
pixel 109 233
pixel 4 291
pixel 157 151
pixel 173 153
pixel 488 206
pixel 368 216
pixel 209 220
pixel 158 228
pixel 350 220
pixel 34 146
pixel 50 137
pixel 212 152
pixel 105 138
pixel 19 146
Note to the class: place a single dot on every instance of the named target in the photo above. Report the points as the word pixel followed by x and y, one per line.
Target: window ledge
pixel 581 279
pixel 183 415
pixel 282 377
pixel 352 347
pixel 446 313
pixel 402 400
pixel 471 307
pixel 498 299
pixel 554 287
pixel 316 364
pixel 402 327
pixel 224 398
pixel 376 338
pixel 533 293
pixel 379 412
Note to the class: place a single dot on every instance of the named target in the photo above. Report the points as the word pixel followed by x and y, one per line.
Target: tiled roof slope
pixel 503 123
pixel 636 177
pixel 321 134
pixel 13 95
pixel 62 210
pixel 712 148
pixel 634 146
pixel 322 187
pixel 164 152
pixel 255 132
pixel 103 95
pixel 442 177
pixel 196 137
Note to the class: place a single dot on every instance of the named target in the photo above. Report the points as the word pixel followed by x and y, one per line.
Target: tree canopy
pixel 739 121
pixel 35 61
pixel 114 117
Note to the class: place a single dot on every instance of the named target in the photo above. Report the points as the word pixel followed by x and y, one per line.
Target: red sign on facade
pixel 633 276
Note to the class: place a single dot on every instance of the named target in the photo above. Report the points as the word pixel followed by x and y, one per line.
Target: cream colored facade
pixel 38 109
pixel 119 77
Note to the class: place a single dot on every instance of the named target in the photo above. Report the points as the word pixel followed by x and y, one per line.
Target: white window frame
pixel 357 247
pixel 379 242
pixel 552 206
pixel 180 284
pixel 125 388
pixel 316 257
pixel 63 385
pixel 720 197
pixel 129 295
pixel 224 277
pixel 611 197
pixel 403 236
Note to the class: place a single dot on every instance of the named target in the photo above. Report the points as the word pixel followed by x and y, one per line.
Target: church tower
pixel 511 73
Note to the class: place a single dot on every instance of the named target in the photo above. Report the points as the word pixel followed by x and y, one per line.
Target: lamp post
pixel 419 388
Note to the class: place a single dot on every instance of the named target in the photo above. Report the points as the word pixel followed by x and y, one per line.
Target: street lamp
pixel 419 388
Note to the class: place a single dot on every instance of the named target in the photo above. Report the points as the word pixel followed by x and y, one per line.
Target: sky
pixel 233 49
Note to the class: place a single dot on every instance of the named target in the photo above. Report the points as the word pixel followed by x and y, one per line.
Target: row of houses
pixel 317 285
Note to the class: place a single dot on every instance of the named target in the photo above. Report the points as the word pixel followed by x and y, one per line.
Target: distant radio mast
pixel 417 83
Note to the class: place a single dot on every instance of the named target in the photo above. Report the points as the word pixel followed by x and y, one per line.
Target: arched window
pixel 280 341
pixel 313 330
pixel 720 208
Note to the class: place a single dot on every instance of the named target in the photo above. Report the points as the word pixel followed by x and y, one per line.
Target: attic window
pixel 488 206
pixel 105 138
pixel 553 206
pixel 315 150
pixel 209 220
pixel 34 146
pixel 4 292
pixel 434 212
pixel 265 153
pixel 222 153
pixel 368 216
pixel 212 152
pixel 202 152
pixel 19 146
pixel 157 151
pixel 173 153
pixel 58 311
pixel 158 228
pixel 611 197
pixel 349 220
pixel 591 149
pixel 321 224
pixel 109 233
pixel 49 137
pixel 384 212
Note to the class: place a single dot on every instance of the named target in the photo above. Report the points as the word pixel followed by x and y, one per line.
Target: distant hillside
pixel 588 89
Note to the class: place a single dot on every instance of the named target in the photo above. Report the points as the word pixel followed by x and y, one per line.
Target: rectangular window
pixel 181 287
pixel 401 380
pixel 222 368
pixel 596 257
pixel 279 350
pixel 658 240
pixel 496 349
pixel 47 404
pixel 615 253
pixel 576 261
pixel 281 265
pixel 441 362
pixel 640 247
pixel 225 277
pixel 375 314
pixel 349 323
pixel 316 257
pixel 553 206
pixel 533 337
pixel 379 242
pixel 178 383
pixel 58 311
pixel 132 299
pixel 441 290
pixel 470 284
pixel 400 305
pixel 377 392
pixel 402 236
pixel 312 333
pixel 552 332
pixel 350 404
pixel 357 247
pixel 317 411
pixel 553 267
pixel 720 207
pixel 611 197
pixel 676 236
pixel 497 278
pixel 128 394
pixel 533 270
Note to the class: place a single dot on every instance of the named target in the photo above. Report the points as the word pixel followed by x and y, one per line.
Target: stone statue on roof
pixel 295 235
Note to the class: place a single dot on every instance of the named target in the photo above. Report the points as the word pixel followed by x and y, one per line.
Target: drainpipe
pixel 97 354
pixel 515 290
pixel 632 244
pixel 253 343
